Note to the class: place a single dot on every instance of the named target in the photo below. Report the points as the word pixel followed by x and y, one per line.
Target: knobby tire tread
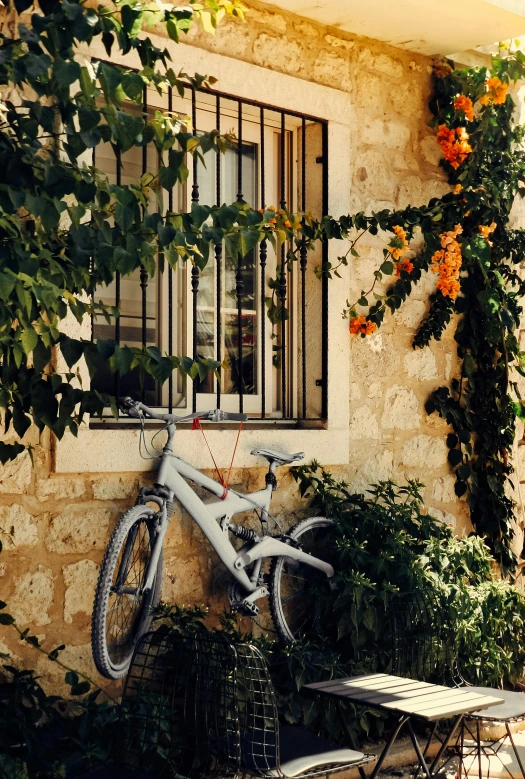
pixel 274 602
pixel 105 579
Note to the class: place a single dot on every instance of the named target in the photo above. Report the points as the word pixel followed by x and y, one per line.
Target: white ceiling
pixel 424 26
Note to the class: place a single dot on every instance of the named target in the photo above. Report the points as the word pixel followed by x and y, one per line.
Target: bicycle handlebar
pixel 133 408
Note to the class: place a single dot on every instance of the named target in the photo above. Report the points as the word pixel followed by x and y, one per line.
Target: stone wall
pixel 54 528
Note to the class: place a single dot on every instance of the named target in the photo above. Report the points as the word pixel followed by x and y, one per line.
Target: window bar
pixel 282 283
pixel 239 279
pixel 194 270
pixel 262 255
pixel 118 159
pixel 239 154
pixel 170 286
pixel 143 271
pixel 218 249
pixel 324 292
pixel 303 253
pixel 91 263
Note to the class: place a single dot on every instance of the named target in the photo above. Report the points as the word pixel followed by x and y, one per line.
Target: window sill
pixel 115 449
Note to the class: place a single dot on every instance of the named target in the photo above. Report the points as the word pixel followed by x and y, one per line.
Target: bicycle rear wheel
pixel 300 602
pixel 122 609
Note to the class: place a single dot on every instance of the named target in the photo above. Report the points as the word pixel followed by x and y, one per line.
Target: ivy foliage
pixel 486 165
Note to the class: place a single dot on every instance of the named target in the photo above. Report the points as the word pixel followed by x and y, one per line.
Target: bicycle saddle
pixel 274 456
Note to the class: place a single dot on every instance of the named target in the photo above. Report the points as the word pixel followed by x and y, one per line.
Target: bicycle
pixel 130 578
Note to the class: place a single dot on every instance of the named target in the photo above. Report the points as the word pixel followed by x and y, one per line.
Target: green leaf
pixel 29 339
pixel 387 268
pixel 66 72
pixel 72 350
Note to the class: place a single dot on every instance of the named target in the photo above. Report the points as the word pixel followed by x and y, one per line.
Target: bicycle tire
pixel 112 667
pixel 287 633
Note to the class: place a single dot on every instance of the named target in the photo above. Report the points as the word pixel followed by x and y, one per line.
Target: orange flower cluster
pixel 486 231
pixel 464 103
pixel 454 144
pixel 405 265
pixel 496 92
pixel 458 189
pixel 399 245
pixel 441 69
pixel 447 263
pixel 359 324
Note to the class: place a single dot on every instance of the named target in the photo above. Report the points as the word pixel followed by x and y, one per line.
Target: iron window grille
pixel 276 371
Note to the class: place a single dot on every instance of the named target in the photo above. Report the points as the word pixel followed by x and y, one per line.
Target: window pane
pixel 206 334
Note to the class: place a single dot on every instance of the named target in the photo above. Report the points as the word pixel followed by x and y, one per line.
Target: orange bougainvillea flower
pixel 454 144
pixel 287 223
pixel 360 326
pixel 496 92
pixel 398 246
pixel 486 231
pixel 442 69
pixel 405 265
pixel 447 263
pixel 458 188
pixel 464 103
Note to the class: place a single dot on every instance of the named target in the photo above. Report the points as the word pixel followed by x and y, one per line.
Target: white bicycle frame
pixel 173 471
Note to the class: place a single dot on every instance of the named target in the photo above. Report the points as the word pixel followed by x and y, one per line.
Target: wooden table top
pixel 406 696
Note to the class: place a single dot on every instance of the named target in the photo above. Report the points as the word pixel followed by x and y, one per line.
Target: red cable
pixel 198 425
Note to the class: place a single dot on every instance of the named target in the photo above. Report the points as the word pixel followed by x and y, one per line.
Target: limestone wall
pixel 54 527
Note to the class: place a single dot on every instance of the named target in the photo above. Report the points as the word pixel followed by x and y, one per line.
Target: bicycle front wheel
pixel 122 608
pixel 299 594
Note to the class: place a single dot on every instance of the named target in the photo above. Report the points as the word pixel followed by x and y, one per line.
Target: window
pixel 273 368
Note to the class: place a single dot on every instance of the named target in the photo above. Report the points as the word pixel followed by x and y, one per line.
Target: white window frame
pixel 98 449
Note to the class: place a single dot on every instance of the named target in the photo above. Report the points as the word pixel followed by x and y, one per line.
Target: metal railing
pixel 276 368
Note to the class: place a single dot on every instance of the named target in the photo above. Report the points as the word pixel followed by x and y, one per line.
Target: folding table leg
pixel 388 746
pixel 446 742
pixel 419 753
pixel 509 734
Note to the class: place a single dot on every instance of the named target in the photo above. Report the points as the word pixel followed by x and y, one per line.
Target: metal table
pixel 407 698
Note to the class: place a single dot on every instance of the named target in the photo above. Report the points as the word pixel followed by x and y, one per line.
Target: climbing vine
pixel 476 255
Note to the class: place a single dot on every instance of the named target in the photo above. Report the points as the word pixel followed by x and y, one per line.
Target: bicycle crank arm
pixel 247 606
pixel 273 547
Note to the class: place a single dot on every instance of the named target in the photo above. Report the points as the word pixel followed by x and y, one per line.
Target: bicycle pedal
pixel 246 608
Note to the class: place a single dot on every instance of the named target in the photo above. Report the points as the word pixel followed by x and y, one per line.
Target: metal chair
pixel 425 648
pixel 200 707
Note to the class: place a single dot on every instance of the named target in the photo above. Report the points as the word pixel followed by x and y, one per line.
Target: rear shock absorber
pixel 244 533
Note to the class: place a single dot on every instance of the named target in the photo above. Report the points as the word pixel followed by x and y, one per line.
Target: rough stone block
pixel 33 597
pixel 401 409
pixel 17 527
pixel 339 43
pixel 390 134
pixel 430 151
pixel 183 581
pixel 78 530
pixel 421 364
pixel 15 477
pixel 60 488
pixel 278 53
pixel 424 451
pixel 78 657
pixel 80 580
pixel 332 69
pixel 374 357
pixel 411 313
pixel 306 29
pixel 114 487
pixel 442 516
pixel 267 19
pixel 443 490
pixel 363 424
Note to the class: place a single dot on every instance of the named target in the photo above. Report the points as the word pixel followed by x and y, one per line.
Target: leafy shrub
pixel 386 544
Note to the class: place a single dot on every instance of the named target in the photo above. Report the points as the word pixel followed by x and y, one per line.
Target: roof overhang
pixel 425 26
